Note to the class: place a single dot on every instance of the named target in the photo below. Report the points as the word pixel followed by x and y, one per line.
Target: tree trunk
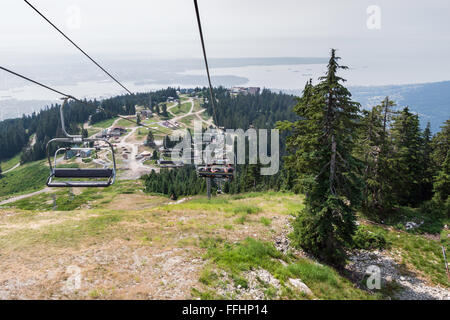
pixel 333 164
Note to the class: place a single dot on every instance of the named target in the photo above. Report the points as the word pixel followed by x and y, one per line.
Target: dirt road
pixel 14 199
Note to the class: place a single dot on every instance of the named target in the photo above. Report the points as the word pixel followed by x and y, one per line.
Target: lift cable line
pixel 76 46
pixel 75 99
pixel 219 169
pixel 206 61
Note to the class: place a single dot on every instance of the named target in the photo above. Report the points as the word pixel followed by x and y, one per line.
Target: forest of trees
pixel 347 160
pixel 344 158
pixel 15 134
pixel 261 110
pixel 175 183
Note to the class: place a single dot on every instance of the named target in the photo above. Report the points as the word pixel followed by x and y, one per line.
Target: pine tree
pixel 138 119
pixel 150 139
pixel 442 181
pixel 323 142
pixel 164 111
pixel 406 161
pixel 374 148
pixel 428 169
pixel 441 144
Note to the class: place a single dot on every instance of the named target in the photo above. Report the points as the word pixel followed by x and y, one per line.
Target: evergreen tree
pixel 138 119
pixel 406 161
pixel 164 111
pixel 374 148
pixel 368 149
pixel 428 169
pixel 441 144
pixel 323 141
pixel 150 139
pixel 442 181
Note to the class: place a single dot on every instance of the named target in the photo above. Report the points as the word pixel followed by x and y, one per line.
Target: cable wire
pixel 206 61
pixel 76 46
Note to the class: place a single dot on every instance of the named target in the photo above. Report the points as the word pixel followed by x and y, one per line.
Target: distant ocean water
pixel 25 98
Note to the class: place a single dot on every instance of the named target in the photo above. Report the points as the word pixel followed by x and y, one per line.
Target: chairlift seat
pixel 82 177
pixel 82 173
pixel 79 184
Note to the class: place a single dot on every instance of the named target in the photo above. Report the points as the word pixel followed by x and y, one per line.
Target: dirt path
pixel 178 118
pixel 135 168
pixel 411 287
pixel 14 199
pixel 9 170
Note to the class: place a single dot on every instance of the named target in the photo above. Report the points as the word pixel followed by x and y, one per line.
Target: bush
pixel 322 232
pixel 368 240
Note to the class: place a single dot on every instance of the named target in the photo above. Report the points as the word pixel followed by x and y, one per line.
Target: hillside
pixel 124 243
pixel 430 100
pixel 120 243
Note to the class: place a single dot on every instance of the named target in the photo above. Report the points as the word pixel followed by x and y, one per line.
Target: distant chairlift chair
pixel 88 177
pixel 219 169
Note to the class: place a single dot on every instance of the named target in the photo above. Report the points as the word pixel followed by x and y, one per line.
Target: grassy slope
pixel 181 109
pixel 228 236
pixel 119 217
pixel 27 178
pixel 418 253
pixel 104 124
pixel 8 164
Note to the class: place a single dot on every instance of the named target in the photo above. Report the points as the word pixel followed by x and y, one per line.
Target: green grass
pixel 27 178
pixel 425 255
pixel 149 162
pixel 64 234
pixel 92 131
pixel 188 120
pixel 73 230
pixel 246 209
pixel 431 216
pixel 104 124
pixel 265 221
pixel 181 109
pixel 62 200
pixel 251 254
pixel 8 164
pixel 126 124
pixel 197 106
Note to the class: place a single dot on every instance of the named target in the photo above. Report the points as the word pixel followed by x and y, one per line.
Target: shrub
pixel 368 240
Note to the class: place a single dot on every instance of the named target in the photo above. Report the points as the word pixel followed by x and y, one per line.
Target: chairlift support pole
pixel 445 262
pixel 208 187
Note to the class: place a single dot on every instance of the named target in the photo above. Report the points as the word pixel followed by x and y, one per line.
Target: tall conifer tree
pixel 323 141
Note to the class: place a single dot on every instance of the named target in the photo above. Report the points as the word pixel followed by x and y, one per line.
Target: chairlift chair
pixel 218 169
pixel 87 177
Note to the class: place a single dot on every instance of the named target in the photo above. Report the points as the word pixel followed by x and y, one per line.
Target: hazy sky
pixel 233 28
pixel 382 41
